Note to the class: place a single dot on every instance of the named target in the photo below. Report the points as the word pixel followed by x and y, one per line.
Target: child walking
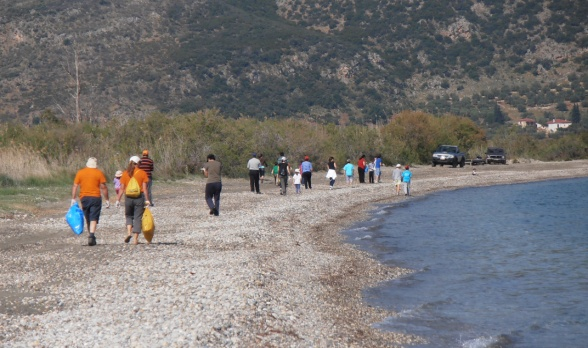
pixel 116 181
pixel 348 169
pixel 297 178
pixel 275 173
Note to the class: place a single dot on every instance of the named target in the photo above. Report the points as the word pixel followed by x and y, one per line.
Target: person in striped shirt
pixel 146 164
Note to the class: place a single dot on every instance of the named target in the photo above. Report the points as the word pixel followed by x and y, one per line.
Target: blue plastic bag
pixel 75 219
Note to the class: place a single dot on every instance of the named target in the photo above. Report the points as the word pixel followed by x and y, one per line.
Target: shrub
pixel 179 143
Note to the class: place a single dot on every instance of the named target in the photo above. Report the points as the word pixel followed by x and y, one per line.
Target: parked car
pixel 448 154
pixel 495 155
pixel 478 161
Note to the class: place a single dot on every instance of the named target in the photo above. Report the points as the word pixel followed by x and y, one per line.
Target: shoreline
pixel 271 270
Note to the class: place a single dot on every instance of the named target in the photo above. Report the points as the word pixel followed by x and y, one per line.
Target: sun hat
pixel 135 159
pixel 398 165
pixel 145 152
pixel 92 162
pixel 118 174
pixel 297 170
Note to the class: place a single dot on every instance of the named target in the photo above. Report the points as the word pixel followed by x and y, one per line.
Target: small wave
pixel 361 228
pixel 500 341
pixel 364 237
pixel 479 342
pixel 380 212
pixel 407 313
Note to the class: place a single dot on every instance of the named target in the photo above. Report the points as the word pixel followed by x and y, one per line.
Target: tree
pixel 575 114
pixel 76 77
pixel 74 74
pixel 498 114
pixel 561 106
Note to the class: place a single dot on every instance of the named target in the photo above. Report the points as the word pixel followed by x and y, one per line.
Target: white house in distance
pixel 556 124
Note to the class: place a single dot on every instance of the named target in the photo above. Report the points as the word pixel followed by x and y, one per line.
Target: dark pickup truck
pixel 495 155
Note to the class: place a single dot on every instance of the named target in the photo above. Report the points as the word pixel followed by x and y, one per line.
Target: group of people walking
pixel 281 171
pixel 303 174
pixel 400 178
pixel 373 168
pixel 136 180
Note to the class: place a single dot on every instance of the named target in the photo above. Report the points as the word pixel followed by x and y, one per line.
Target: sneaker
pixel 215 212
pixel 91 241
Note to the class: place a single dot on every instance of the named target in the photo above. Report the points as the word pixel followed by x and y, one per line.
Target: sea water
pixel 500 266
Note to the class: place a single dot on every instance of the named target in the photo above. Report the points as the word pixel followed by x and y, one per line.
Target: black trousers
pixel 254 180
pixel 361 172
pixel 212 195
pixel 306 177
pixel 371 175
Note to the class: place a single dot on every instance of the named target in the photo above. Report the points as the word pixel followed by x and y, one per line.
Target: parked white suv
pixel 448 154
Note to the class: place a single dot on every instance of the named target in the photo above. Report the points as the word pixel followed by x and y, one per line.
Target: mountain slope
pixel 328 61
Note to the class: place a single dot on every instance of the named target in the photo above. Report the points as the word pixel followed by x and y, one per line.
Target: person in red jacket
pixel 361 165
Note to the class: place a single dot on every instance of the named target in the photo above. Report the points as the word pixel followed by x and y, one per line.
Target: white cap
pixel 283 159
pixel 135 159
pixel 297 170
pixel 398 165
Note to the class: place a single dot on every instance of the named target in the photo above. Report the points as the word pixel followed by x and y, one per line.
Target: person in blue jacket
pixel 348 169
pixel 406 177
pixel 378 168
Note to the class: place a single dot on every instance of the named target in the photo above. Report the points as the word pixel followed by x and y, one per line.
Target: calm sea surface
pixel 502 266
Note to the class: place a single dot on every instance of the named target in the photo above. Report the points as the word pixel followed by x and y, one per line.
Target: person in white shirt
pixel 253 166
pixel 397 178
pixel 297 178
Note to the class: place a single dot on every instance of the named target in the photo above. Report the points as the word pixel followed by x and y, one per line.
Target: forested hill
pixel 331 61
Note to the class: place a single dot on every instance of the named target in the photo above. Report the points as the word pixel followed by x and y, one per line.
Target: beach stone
pixel 270 270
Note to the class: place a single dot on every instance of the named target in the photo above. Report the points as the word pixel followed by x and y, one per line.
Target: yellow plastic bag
pixel 133 190
pixel 148 225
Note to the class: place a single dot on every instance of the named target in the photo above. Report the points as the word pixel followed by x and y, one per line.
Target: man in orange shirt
pixel 92 184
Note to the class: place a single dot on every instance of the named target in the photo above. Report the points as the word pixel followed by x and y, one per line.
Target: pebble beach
pixel 270 271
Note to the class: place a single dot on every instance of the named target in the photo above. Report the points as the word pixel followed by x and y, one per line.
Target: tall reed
pixel 20 163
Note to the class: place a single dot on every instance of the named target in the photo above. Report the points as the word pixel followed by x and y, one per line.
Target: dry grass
pixel 19 163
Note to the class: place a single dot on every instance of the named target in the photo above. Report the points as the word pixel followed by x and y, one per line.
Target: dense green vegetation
pixel 179 143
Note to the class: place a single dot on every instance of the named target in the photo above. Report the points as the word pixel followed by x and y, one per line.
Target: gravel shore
pixel 270 271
